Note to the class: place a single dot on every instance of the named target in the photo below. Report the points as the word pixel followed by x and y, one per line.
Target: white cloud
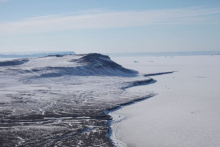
pixel 108 19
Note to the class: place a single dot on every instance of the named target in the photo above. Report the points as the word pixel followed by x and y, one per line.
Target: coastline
pixel 62 99
pixel 118 118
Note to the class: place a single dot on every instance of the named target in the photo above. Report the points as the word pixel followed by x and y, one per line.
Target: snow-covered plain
pixel 184 113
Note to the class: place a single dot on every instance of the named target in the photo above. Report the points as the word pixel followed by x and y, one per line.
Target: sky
pixel 109 26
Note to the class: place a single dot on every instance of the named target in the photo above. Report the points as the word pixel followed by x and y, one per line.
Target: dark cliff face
pixel 103 62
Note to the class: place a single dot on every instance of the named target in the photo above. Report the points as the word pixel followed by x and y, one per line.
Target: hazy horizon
pixel 19 55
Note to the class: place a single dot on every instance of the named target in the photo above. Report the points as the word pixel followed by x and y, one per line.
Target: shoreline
pixel 112 121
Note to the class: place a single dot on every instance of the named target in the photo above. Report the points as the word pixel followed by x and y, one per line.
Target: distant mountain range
pixel 34 55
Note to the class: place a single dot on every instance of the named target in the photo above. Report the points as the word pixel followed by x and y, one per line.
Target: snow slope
pixel 184 113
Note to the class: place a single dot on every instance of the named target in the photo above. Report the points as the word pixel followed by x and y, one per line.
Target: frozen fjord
pixel 185 112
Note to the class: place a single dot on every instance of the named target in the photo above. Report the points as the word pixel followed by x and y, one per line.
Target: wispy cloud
pixel 3 1
pixel 109 19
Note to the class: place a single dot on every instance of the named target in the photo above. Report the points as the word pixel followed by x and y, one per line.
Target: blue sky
pixel 109 26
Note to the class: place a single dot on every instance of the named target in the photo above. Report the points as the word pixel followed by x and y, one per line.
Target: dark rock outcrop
pixel 13 62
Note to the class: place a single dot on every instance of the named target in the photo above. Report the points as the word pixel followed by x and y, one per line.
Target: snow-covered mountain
pixel 59 100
